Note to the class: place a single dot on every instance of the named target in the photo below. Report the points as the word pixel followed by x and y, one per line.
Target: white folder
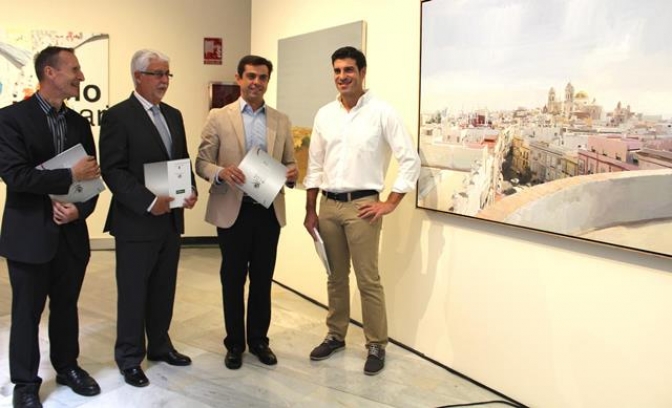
pixel 80 191
pixel 321 251
pixel 169 178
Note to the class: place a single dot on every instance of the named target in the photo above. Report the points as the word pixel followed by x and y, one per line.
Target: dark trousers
pixel 249 246
pixel 146 278
pixel 60 280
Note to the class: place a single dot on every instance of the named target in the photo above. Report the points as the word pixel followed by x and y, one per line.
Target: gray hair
pixel 142 58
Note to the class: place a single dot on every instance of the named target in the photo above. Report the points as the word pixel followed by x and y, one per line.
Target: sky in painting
pixel 504 54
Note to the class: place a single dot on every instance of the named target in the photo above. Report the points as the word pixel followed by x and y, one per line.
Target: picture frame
pixel 562 128
pixel 221 94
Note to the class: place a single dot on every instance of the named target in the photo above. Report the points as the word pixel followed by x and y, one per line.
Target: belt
pixel 249 200
pixel 349 196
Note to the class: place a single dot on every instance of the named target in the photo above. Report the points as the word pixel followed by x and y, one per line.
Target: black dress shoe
pixel 135 377
pixel 234 358
pixel 264 353
pixel 79 380
pixel 172 358
pixel 26 396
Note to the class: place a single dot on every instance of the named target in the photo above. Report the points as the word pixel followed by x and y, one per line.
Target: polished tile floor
pixel 197 330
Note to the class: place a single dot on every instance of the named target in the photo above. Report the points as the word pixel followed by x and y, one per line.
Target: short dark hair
pixel 350 52
pixel 48 57
pixel 254 60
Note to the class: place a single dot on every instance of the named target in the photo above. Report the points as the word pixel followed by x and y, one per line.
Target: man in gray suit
pixel 140 130
pixel 248 233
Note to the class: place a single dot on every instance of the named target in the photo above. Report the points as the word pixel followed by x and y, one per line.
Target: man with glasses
pixel 45 242
pixel 140 130
pixel 247 231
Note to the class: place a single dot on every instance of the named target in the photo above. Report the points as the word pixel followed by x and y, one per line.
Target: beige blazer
pixel 223 144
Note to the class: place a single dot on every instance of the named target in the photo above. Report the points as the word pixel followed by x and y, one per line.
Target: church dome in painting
pixel 581 95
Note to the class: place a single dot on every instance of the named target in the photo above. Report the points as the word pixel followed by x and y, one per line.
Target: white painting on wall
pixel 306 79
pixel 17 70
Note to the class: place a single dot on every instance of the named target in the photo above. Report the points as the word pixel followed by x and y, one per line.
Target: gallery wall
pixel 550 321
pixel 175 27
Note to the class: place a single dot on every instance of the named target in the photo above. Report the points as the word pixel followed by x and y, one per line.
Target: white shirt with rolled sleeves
pixel 351 150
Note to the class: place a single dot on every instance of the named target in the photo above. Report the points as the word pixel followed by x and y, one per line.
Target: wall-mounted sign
pixel 212 51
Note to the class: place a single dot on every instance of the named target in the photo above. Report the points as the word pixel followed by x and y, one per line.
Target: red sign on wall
pixel 212 51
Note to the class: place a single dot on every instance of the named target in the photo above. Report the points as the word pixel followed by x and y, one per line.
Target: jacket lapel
pixel 271 126
pixel 44 143
pixel 237 121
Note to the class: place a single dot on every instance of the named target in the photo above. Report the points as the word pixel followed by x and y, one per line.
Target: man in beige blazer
pixel 247 232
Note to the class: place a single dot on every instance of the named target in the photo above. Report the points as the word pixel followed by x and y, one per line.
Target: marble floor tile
pixel 198 329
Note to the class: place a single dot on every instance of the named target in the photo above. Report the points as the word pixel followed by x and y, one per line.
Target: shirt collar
pixel 362 99
pixel 144 102
pixel 48 108
pixel 245 107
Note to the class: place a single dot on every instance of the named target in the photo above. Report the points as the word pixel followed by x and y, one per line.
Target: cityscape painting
pixel 553 115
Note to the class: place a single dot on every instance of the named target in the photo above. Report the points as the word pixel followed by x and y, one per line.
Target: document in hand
pixel 169 178
pixel 321 251
pixel 80 191
pixel 264 176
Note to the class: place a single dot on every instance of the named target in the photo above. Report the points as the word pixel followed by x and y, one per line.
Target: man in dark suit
pixel 46 242
pixel 136 131
pixel 248 232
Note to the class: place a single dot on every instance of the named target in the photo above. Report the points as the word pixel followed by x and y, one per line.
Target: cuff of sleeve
pixel 216 180
pixel 149 209
pixel 403 187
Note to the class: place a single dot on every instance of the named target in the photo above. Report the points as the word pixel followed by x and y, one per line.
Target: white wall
pixel 550 321
pixel 175 27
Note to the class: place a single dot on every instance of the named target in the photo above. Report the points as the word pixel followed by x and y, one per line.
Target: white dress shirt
pixel 351 150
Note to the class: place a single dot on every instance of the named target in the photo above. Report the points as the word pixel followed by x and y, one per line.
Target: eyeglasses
pixel 158 74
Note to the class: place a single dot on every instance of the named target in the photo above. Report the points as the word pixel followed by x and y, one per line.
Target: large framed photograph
pixel 222 94
pixel 550 115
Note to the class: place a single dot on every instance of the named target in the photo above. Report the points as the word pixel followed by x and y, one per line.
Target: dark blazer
pixel 128 140
pixel 29 233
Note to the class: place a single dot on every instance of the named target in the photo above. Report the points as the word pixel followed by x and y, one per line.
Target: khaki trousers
pixel 347 237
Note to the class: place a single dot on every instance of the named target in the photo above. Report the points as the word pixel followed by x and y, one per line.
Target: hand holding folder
pixel 169 178
pixel 80 190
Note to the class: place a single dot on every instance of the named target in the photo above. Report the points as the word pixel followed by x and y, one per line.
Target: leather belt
pixel 349 196
pixel 249 200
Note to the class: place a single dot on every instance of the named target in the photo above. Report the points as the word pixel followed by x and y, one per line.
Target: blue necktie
pixel 161 127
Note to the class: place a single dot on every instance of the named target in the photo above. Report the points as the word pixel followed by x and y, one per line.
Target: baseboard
pixel 101 244
pixel 107 244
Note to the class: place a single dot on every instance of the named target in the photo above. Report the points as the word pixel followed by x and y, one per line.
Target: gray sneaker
pixel 375 361
pixel 328 347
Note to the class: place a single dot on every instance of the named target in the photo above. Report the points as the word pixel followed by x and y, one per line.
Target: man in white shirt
pixel 352 140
